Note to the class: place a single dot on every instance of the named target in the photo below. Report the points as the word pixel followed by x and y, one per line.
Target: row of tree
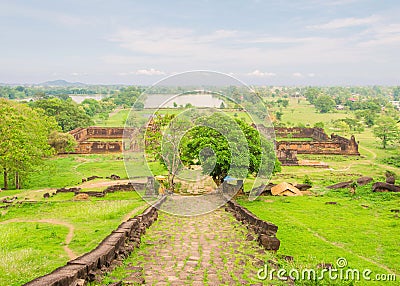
pixel 21 92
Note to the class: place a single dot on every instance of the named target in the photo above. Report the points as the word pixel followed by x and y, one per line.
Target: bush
pixel 307 180
pixel 392 160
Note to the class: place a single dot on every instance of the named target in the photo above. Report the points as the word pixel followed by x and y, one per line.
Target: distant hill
pixel 61 82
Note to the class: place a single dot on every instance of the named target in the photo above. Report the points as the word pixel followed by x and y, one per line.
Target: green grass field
pixel 33 235
pixel 359 228
pixel 68 170
pixel 303 112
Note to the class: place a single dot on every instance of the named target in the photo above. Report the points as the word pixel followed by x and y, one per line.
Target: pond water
pixel 77 98
pixel 80 98
pixel 167 100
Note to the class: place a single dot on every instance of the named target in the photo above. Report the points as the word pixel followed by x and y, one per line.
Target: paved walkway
pixel 210 249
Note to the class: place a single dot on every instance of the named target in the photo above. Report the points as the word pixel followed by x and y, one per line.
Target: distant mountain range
pixel 61 82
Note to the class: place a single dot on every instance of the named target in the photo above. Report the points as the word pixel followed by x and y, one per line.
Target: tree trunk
pixel 172 183
pixel 17 185
pixel 5 179
pixel 384 142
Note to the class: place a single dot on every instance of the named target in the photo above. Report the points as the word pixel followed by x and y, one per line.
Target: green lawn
pixel 305 113
pixel 31 247
pixel 29 250
pixel 361 229
pixel 68 170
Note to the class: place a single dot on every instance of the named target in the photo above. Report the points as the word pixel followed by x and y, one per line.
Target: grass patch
pixel 359 228
pixel 68 170
pixel 29 250
pixel 35 248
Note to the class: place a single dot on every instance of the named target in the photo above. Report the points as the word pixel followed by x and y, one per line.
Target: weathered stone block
pixel 269 242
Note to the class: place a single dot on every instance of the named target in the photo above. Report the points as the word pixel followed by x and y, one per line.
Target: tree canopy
pixel 386 130
pixel 68 114
pixel 324 103
pixel 23 139
pixel 226 146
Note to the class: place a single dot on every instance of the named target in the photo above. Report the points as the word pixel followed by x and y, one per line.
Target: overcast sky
pixel 305 42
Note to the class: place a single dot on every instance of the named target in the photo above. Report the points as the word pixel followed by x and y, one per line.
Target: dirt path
pixel 115 111
pixel 372 161
pixel 97 184
pixel 207 249
pixel 134 212
pixel 369 151
pixel 68 238
pixel 359 162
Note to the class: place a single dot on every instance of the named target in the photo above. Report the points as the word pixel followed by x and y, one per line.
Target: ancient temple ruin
pixel 289 141
pixel 297 140
pixel 95 140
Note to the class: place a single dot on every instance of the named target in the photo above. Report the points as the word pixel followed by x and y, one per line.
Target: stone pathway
pixel 210 249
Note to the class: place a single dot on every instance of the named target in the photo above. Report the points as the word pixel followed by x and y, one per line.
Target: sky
pixel 282 42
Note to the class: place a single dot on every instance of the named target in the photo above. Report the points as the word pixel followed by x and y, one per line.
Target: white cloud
pixel 258 73
pixel 383 35
pixel 150 71
pixel 338 55
pixel 78 73
pixel 169 41
pixel 345 23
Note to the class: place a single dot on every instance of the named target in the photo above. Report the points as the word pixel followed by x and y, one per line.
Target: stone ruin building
pixel 95 140
pixel 288 142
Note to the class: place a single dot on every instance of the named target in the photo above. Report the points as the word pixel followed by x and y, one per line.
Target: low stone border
pixel 119 187
pixel 118 245
pixel 266 231
pixel 110 189
pixel 68 190
pixel 385 187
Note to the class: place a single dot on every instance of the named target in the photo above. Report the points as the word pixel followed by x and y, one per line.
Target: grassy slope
pixel 361 229
pixel 68 170
pixel 305 113
pixel 314 232
pixel 34 248
pixel 28 250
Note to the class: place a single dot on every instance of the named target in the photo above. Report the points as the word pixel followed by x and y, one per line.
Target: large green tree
pixel 67 113
pixel 386 130
pixel 312 94
pixel 24 136
pixel 324 103
pixel 226 146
